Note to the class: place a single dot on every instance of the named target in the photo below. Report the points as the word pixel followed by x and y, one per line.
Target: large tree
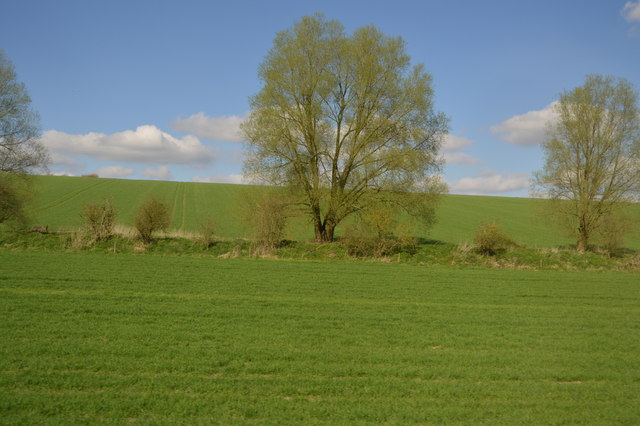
pixel 20 149
pixel 344 119
pixel 592 156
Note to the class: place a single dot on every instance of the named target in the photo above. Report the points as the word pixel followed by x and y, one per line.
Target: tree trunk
pixel 324 231
pixel 583 240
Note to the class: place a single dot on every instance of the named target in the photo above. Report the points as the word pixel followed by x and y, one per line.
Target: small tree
pixel 207 232
pixel 152 216
pixel 266 216
pixel 592 156
pixel 490 239
pixel 99 219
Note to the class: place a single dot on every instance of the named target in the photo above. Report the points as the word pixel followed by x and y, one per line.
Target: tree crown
pixel 20 149
pixel 340 117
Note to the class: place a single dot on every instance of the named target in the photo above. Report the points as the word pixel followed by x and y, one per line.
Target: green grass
pixel 59 201
pixel 95 338
pixel 430 254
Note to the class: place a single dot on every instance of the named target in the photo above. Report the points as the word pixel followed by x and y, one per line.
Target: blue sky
pixel 156 90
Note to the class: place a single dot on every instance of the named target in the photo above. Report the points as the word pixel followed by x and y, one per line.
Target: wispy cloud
pixel 67 162
pixel 145 144
pixel 115 172
pixel 225 128
pixel 220 178
pixel 490 183
pixel 453 143
pixel 631 11
pixel 460 158
pixel 526 129
pixel 452 147
pixel 162 173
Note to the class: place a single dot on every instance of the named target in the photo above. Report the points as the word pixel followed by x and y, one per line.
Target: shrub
pixel 360 245
pixel 207 232
pixel 14 195
pixel 99 219
pixel 613 228
pixel 489 239
pixel 265 215
pixel 378 232
pixel 152 216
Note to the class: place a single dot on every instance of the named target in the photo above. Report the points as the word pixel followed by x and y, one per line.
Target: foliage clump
pixel 21 151
pixel 379 232
pixel 612 230
pixel 14 195
pixel 266 215
pixel 152 216
pixel 490 240
pixel 207 232
pixel 99 219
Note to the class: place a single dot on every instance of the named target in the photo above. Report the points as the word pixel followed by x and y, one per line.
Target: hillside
pixel 60 199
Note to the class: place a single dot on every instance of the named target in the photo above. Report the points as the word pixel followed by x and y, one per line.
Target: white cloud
pixel 232 178
pixel 64 161
pixel 451 148
pixel 453 143
pixel 460 158
pixel 490 183
pixel 631 11
pixel 162 173
pixel 146 144
pixel 225 128
pixel 527 129
pixel 114 172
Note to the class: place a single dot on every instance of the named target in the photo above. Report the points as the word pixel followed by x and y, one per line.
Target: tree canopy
pixel 592 155
pixel 20 149
pixel 344 119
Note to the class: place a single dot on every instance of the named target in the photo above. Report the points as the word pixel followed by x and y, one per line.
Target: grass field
pixel 97 338
pixel 60 199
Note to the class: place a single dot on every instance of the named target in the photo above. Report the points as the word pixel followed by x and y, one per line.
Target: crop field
pixel 98 338
pixel 59 201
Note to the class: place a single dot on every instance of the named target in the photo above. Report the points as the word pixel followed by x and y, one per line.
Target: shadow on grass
pixel 421 241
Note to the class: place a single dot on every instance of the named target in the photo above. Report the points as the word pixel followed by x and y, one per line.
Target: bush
pixel 360 245
pixel 613 228
pixel 152 216
pixel 99 218
pixel 265 215
pixel 14 195
pixel 207 232
pixel 378 232
pixel 490 239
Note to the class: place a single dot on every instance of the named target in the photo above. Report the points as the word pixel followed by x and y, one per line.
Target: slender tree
pixel 340 120
pixel 592 156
